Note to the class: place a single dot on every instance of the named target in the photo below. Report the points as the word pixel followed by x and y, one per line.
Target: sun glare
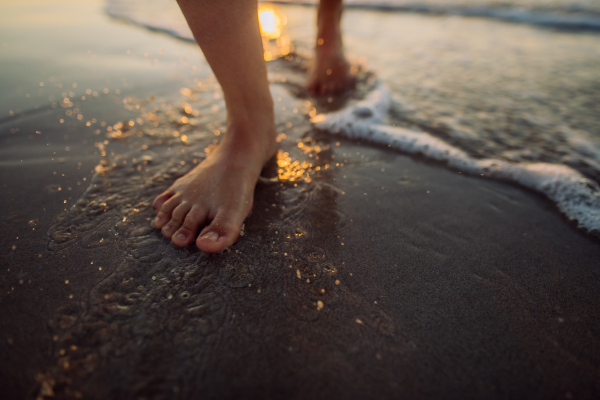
pixel 270 23
pixel 275 42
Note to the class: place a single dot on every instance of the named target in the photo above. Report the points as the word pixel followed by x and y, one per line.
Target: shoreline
pixel 385 276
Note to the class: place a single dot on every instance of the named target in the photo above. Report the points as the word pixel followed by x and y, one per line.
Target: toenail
pixel 168 227
pixel 180 236
pixel 210 236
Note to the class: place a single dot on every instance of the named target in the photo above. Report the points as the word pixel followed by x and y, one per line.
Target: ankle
pixel 246 105
pixel 329 32
pixel 329 40
pixel 250 134
pixel 249 142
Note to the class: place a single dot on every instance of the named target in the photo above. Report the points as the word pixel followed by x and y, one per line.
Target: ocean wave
pixel 156 15
pixel 558 14
pixel 561 162
pixel 577 197
pixel 164 16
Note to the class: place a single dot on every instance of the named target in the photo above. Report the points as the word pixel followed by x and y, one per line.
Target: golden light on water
pixel 270 22
pixel 292 170
pixel 275 42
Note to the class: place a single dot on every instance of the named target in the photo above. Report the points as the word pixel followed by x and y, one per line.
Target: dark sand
pixel 387 277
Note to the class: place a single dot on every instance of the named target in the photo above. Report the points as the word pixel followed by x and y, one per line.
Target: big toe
pixel 220 234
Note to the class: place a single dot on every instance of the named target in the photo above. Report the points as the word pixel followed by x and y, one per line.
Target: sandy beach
pixel 362 272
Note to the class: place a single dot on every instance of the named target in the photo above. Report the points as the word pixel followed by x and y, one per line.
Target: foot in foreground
pixel 209 204
pixel 216 196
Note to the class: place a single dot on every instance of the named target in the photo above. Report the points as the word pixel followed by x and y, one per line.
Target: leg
pixel 330 72
pixel 217 195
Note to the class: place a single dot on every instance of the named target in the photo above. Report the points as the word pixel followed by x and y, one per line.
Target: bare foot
pixel 216 196
pixel 330 72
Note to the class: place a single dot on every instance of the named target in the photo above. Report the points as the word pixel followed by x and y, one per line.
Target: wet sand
pixel 385 276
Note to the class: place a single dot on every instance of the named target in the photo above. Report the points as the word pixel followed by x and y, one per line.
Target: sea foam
pixel 575 195
pixel 165 16
pixel 565 14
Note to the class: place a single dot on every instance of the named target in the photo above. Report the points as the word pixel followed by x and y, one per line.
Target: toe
pixel 177 218
pixel 190 227
pixel 220 234
pixel 169 229
pixel 160 200
pixel 161 219
pixel 164 214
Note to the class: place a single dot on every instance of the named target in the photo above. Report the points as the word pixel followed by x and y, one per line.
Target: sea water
pixel 484 96
pixel 572 14
pixel 477 95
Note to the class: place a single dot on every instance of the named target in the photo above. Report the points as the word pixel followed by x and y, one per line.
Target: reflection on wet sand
pixel 434 292
pixel 194 306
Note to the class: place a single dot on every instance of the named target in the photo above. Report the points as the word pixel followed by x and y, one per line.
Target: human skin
pixel 329 73
pixel 217 195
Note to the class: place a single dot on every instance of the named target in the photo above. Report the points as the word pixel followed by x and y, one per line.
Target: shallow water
pixel 320 285
pixel 511 101
pixel 563 14
pixel 158 139
pixel 281 261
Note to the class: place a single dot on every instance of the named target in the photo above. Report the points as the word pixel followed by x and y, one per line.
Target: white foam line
pixel 576 196
pixel 581 19
pixel 565 17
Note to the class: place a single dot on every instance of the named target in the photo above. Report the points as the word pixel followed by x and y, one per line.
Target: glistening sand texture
pixel 449 286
